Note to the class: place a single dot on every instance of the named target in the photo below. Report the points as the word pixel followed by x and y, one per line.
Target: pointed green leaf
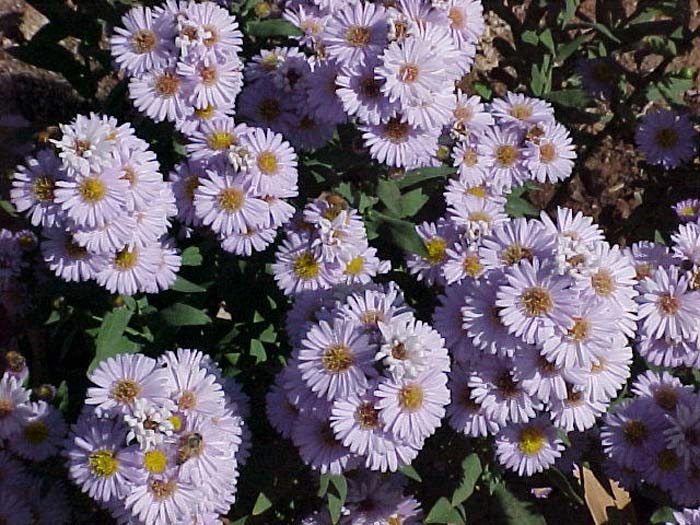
pixel 261 504
pixel 471 470
pixel 180 314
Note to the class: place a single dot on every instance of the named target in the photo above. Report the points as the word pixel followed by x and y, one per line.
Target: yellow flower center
pixel 515 253
pixel 580 330
pixel 162 489
pixel 92 190
pixel 187 401
pixel 367 416
pixel 396 131
pixel 687 211
pixel 531 441
pixel 411 397
pixel 43 188
pixel 472 266
pixel 437 250
pixel 337 359
pixel 507 155
pixel 408 73
pixel 537 301
pixel 208 74
pixel 191 184
pixel 220 140
pixel 74 250
pixel 167 85
pixel 155 461
pixel 36 432
pixel 126 259
pixel 548 153
pixel 456 16
pixel 603 283
pixel 267 163
pixel 103 463
pixel 176 422
pixel 470 158
pixel 305 266
pixel 355 265
pixel 231 200
pixel 204 113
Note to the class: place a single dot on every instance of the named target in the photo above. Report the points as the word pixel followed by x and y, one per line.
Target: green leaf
pixel 261 504
pixel 275 27
pixel 180 314
pixel 412 202
pixel 471 469
pixel 110 341
pixel 530 37
pixel 482 90
pixel 335 507
pixel 61 398
pixel 403 234
pixel 517 206
pixel 257 350
pixel 516 512
pixel 410 472
pixel 8 208
pixel 443 512
pixel 604 30
pixel 662 515
pixel 547 41
pixel 569 12
pixel 341 485
pixel 183 285
pixel 568 49
pixel 424 174
pixel 570 98
pixel 390 195
pixel 191 256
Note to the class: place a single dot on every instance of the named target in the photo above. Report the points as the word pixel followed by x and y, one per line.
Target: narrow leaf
pixel 180 314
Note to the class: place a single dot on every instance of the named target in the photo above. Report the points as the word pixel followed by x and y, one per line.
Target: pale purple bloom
pixel 271 163
pixel 466 20
pixel 502 149
pixel 361 94
pixel 14 509
pixel 336 360
pixel 686 242
pixel 212 82
pixel 16 408
pixel 398 144
pixel 192 387
pixel 521 112
pixel 472 164
pixel 687 210
pixel 208 29
pixel 469 113
pixel 144 43
pixel 514 241
pixel 67 259
pixel 163 499
pixel 42 433
pixel 33 188
pixel 355 33
pixel 123 379
pixel 534 301
pixel 215 138
pixel 550 156
pixel 160 94
pixel 93 200
pixel 299 266
pixel 464 413
pixel 318 446
pixel 412 408
pixel 86 143
pixel 663 388
pixel 437 238
pixel 130 270
pixel 527 448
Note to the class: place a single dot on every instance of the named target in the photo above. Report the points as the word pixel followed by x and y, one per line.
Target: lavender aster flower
pixel 527 448
pixel 666 138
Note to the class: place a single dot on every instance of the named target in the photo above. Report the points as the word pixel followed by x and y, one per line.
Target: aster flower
pixel 599 76
pixel 85 144
pixel 647 256
pixel 663 388
pixel 193 388
pixel 266 106
pixel 515 241
pixel 357 424
pixel 318 446
pixel 411 71
pixel 272 163
pixel 464 413
pixel 505 155
pixel 360 92
pixel 212 82
pixel 472 165
pixel 683 433
pixel 95 458
pixel 577 411
pixel 42 433
pixel 185 180
pixel 130 270
pixel 67 259
pixel 527 448
pixel 687 210
pixel 666 138
pixel 335 360
pixel 534 301
pixel 686 242
pixel 469 113
pixel 215 138
pixel 123 379
pixel 94 199
pixel 550 156
pixel 163 499
pixel 399 144
pixel 299 267
pixel 361 268
pixel 149 424
pixel 13 508
pixel 437 238
pixel 14 404
pixel 355 33
pixel 667 307
pixel 463 262
pixel 226 203
pixel 412 409
pixel 34 186
pixel 466 20
pixel 521 112
pixel 160 94
pixel 208 29
pixel 144 43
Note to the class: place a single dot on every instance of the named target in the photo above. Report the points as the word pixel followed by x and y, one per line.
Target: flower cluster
pixel 326 246
pixel 31 432
pixel 537 315
pixel 160 442
pixel 103 206
pixel 654 437
pixel 182 61
pixel 236 182
pixel 686 517
pixel 666 138
pixel 392 70
pixel 18 269
pixel 374 499
pixel 669 299
pixel 366 383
